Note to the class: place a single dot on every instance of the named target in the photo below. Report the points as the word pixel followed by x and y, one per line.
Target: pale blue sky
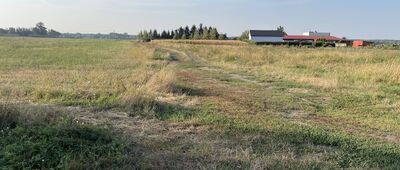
pixel 368 19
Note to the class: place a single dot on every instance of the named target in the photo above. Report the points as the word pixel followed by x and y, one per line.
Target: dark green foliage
pixel 176 35
pixel 38 31
pixel 194 32
pixel 187 33
pixel 58 145
pixel 3 31
pixel 244 36
pixel 164 35
pixel 144 36
pixel 24 31
pixel 171 34
pixel 53 33
pixel 347 151
pixel 172 112
pixel 155 35
pixel 181 32
pixel 196 35
pixel 214 35
pixel 281 28
pixel 206 33
pixel 222 37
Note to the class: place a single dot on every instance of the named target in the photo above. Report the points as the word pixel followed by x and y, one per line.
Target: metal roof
pixel 314 38
pixel 267 33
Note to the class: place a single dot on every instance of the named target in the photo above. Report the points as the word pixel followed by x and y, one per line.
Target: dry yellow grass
pixel 360 85
pixel 321 67
pixel 95 73
pixel 212 105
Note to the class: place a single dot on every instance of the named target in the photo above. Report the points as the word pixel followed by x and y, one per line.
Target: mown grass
pixel 341 100
pixel 299 145
pixel 221 106
pixel 96 74
pixel 359 85
pixel 331 149
pixel 90 73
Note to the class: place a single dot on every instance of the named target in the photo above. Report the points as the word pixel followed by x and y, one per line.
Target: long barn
pixel 266 36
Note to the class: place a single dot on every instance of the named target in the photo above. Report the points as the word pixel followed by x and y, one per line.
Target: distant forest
pixel 38 31
pixel 118 36
pixel 195 33
pixel 41 31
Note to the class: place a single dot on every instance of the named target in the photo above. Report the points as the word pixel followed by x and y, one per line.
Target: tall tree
pixel 3 31
pixel 150 34
pixel 164 35
pixel 146 36
pixel 171 36
pixel 40 29
pixel 281 28
pixel 155 34
pixel 245 36
pixel 213 34
pixel 184 37
pixel 187 33
pixel 181 32
pixel 206 34
pixel 24 31
pixel 54 34
pixel 201 29
pixel 139 36
pixel 176 35
pixel 12 31
pixel 197 35
pixel 222 37
pixel 193 30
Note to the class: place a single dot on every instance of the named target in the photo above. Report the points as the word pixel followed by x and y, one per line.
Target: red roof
pixel 314 38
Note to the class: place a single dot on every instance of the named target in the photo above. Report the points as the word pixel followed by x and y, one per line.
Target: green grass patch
pixel 347 151
pixel 80 98
pixel 173 112
pixel 33 138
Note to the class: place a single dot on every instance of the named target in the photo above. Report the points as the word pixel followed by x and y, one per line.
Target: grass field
pixel 104 104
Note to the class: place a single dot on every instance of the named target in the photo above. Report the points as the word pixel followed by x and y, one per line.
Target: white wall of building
pixel 317 34
pixel 265 39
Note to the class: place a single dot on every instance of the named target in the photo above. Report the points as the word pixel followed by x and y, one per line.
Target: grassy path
pixel 200 71
pixel 161 106
pixel 240 105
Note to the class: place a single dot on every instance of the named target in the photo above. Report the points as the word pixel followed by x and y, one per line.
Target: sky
pixel 367 19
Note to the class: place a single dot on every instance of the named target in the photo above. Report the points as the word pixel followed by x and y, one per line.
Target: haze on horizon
pixel 369 19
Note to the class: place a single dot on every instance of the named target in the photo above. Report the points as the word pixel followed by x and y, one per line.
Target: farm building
pixel 266 36
pixel 315 33
pixel 312 38
pixel 361 43
pixel 305 38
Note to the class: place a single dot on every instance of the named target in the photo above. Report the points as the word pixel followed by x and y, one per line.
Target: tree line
pixel 186 33
pixel 38 31
pixel 113 35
